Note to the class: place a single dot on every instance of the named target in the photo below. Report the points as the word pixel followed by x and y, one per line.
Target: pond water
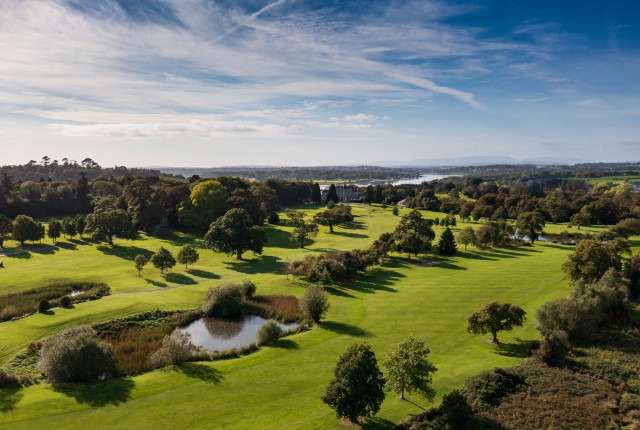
pixel 219 334
pixel 421 179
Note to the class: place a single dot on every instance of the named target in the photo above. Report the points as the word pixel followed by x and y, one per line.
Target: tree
pixel 69 227
pixel 54 229
pixel 332 195
pixel 138 195
pixel 467 236
pixel 235 233
pixel 176 348
pixel 409 369
pixel 447 244
pixel 163 259
pixel 410 242
pixel 5 229
pixel 106 222
pixel 369 195
pixel 627 227
pixel 495 317
pixel 25 228
pixel 316 195
pixel 269 333
pixel 532 223
pixel 43 305
pixel 592 258
pixel 414 221
pixel 187 255
pixel 358 387
pixel 76 354
pixel 80 224
pixel 140 261
pixel 335 216
pixel 205 203
pixel 580 219
pixel 302 228
pixel 395 211
pixel 224 300
pixel 314 303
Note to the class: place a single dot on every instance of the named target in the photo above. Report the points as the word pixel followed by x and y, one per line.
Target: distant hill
pixel 479 161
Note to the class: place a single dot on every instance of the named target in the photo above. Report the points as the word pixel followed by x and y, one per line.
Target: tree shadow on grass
pixel 286 344
pixel 203 274
pixel 261 264
pixel 338 290
pixel 519 349
pixel 9 397
pixel 21 255
pixel 179 278
pixel 156 283
pixel 278 238
pixel 355 225
pixel 377 423
pixel 378 279
pixel 126 252
pixel 471 255
pixel 202 372
pixel 346 329
pixel 96 394
pixel 351 235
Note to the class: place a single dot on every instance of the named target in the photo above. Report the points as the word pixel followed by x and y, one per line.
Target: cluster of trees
pixel 163 259
pixel 358 388
pixel 227 299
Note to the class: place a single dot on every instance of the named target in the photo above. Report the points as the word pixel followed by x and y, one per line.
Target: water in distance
pixel 220 334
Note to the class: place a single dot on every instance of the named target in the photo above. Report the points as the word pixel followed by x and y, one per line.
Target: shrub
pixel 269 333
pixel 629 402
pixel 76 354
pixel 314 303
pixel 7 379
pixel 553 348
pixel 43 306
pixel 224 300
pixel 488 388
pixel 578 317
pixel 65 301
pixel 273 218
pixel 176 348
pixel 248 289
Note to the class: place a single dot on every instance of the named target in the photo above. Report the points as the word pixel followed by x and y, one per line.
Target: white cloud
pixel 531 100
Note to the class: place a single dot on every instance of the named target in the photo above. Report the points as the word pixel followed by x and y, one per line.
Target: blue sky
pixel 286 82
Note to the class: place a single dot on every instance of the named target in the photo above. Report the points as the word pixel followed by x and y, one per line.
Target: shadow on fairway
pixel 519 349
pixel 202 274
pixel 286 344
pixel 378 279
pixel 126 252
pixel 9 398
pixel 351 235
pixel 355 225
pixel 342 328
pixel 156 283
pixel 179 278
pixel 261 264
pixel 377 423
pixel 338 290
pixel 22 255
pixel 202 372
pixel 277 238
pixel 96 394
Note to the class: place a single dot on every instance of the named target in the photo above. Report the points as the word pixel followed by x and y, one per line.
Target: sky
pixel 204 83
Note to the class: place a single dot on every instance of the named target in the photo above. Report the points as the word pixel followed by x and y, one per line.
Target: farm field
pixel 278 386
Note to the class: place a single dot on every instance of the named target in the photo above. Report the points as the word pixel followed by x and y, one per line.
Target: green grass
pixel 616 180
pixel 278 386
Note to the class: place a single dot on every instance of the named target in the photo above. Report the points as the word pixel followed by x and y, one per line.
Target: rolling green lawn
pixel 276 387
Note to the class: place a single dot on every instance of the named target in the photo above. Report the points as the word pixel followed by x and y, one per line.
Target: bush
pixel 489 388
pixel 43 306
pixel 65 301
pixel 76 354
pixel 629 402
pixel 579 318
pixel 269 333
pixel 248 289
pixel 314 303
pixel 273 218
pixel 7 379
pixel 553 348
pixel 224 300
pixel 176 348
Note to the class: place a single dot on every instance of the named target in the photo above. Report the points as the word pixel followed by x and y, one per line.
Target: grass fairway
pixel 277 387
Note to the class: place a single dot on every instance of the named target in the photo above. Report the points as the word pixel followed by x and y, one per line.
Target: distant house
pixel 402 202
pixel 345 194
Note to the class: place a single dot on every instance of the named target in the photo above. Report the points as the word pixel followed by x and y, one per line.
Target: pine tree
pixel 316 195
pixel 447 244
pixel 332 195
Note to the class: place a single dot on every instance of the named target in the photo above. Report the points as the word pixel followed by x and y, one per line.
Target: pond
pixel 220 334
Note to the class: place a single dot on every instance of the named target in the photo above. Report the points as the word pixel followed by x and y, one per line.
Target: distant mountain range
pixel 478 161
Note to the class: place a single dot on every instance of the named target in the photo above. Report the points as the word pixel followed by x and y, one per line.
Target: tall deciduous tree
pixel 337 215
pixel 5 228
pixel 187 255
pixel 54 230
pixel 409 369
pixel 163 259
pixel 531 223
pixel 140 261
pixel 205 203
pixel 25 228
pixel 358 387
pixel 235 233
pixel 495 317
pixel 106 222
pixel 467 236
pixel 592 258
pixel 302 229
